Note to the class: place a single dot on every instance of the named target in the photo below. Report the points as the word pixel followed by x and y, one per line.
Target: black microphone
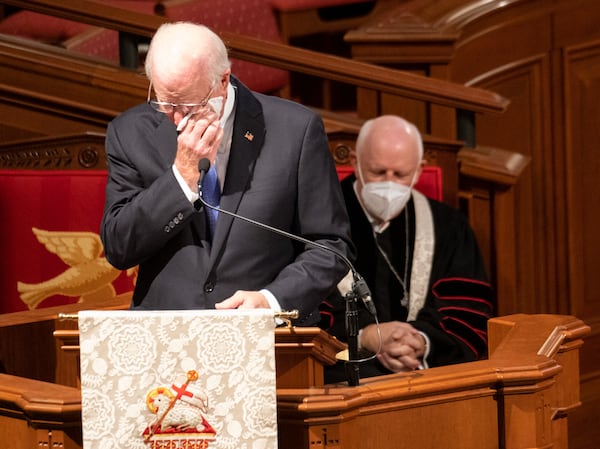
pixel 359 287
pixel 203 167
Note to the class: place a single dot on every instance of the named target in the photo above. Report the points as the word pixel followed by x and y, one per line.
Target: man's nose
pixel 177 115
pixel 390 175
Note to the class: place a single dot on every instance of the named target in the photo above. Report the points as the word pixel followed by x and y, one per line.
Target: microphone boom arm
pixel 358 290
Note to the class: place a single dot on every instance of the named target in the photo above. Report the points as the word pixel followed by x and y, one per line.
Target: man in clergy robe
pixel 419 258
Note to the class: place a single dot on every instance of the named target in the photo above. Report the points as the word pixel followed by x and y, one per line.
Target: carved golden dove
pixel 89 277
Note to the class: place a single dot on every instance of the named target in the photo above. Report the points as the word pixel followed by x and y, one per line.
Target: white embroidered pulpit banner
pixel 178 379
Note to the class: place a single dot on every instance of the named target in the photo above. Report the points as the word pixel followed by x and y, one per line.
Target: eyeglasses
pixel 186 108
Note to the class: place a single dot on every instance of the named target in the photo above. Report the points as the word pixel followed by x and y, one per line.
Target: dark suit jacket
pixel 280 172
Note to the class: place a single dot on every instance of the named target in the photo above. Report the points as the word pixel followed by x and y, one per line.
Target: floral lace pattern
pixel 126 354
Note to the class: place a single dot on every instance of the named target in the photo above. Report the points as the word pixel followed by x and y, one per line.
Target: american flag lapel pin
pixel 249 136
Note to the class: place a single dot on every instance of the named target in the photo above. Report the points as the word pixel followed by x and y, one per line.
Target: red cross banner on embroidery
pixel 178 379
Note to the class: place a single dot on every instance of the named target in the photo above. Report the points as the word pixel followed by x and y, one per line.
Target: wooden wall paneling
pixel 487 192
pixel 32 360
pixel 584 432
pixel 509 54
pixel 507 251
pixel 557 201
pixel 581 167
pixel 475 203
pixel 510 33
pixel 413 110
pixel 442 120
pixel 575 22
pixel 14 133
pixel 582 171
pixel 524 128
pixel 367 103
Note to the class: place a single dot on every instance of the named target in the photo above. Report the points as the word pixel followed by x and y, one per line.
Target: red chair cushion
pixel 104 43
pixel 39 27
pixel 54 30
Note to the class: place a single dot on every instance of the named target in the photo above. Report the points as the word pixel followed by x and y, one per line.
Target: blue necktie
pixel 211 193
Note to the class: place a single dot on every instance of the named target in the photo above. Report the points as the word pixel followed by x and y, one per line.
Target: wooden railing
pixel 285 57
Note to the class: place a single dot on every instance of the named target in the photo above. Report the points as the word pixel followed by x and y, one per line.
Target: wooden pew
pixel 519 398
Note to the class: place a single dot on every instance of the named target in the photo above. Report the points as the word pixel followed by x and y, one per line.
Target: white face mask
pixel 386 199
pixel 216 104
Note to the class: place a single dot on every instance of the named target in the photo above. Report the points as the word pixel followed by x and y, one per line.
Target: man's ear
pixel 420 170
pixel 225 78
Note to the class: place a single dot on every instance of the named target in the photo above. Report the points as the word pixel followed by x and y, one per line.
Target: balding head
pixel 389 129
pixel 388 148
pixel 182 53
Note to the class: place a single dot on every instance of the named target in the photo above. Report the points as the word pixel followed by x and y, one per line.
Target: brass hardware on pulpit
pixel 285 316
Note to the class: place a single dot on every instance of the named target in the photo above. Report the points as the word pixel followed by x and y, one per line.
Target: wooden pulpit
pixel 519 398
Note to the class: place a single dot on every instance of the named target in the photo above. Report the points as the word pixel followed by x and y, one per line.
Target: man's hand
pixel 244 300
pixel 401 348
pixel 199 138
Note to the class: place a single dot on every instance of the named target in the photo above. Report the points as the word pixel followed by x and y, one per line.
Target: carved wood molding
pixel 57 153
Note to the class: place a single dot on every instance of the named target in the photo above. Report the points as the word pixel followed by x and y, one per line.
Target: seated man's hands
pixel 402 345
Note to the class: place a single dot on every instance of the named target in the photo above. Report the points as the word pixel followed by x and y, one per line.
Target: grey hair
pixel 187 33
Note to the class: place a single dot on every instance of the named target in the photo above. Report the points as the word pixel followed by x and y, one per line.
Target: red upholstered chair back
pixel 39 27
pixel 429 184
pixel 54 30
pixel 253 18
pixel 104 43
pixel 64 208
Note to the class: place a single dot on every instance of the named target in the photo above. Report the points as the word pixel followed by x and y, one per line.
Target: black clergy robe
pixel 458 299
